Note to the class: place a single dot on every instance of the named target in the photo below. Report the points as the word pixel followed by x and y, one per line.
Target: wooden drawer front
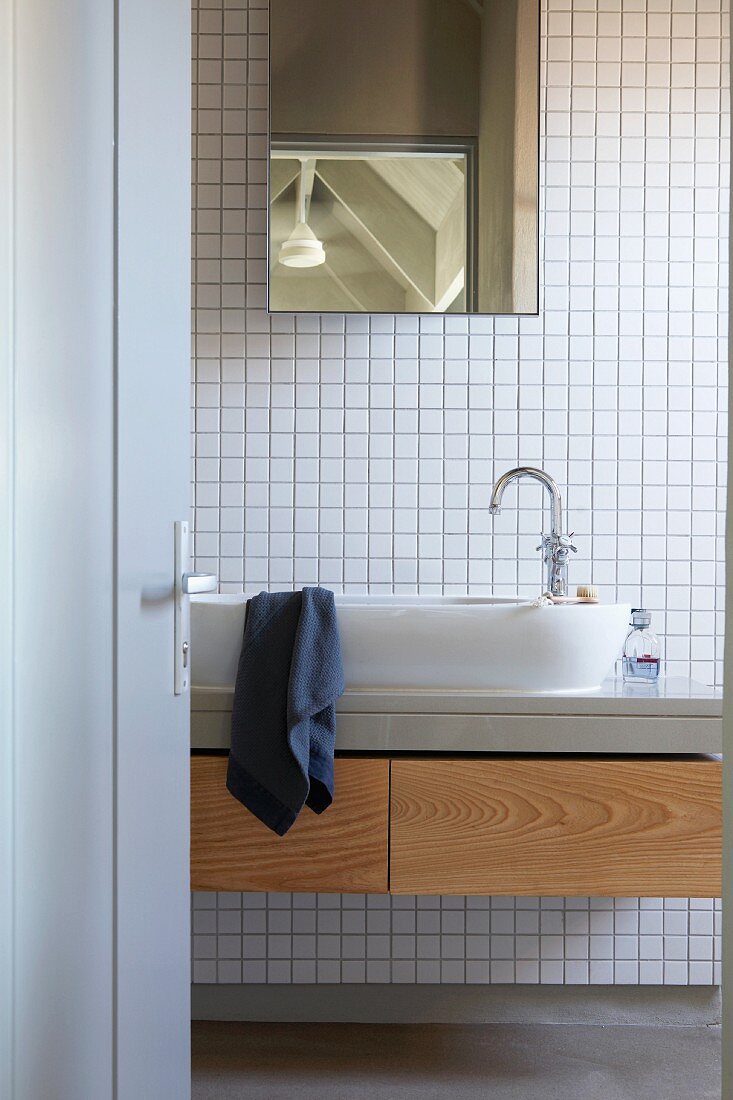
pixel 341 850
pixel 556 826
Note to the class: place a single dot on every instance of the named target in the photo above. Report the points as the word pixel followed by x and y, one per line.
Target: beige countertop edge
pixel 676 699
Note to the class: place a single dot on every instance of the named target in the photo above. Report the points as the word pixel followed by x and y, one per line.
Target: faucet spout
pixel 537 475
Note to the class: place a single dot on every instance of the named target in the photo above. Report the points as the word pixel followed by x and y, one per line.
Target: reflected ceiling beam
pixel 357 303
pixel 477 6
pixel 282 174
pixel 353 267
pixel 318 294
pixel 416 300
pixel 451 292
pixel 384 223
pixel 450 255
pixel 428 184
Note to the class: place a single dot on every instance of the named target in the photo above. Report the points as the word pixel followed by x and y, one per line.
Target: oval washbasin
pixel 437 643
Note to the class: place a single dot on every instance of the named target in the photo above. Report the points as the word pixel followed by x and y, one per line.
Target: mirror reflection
pixel 403 156
pixel 377 230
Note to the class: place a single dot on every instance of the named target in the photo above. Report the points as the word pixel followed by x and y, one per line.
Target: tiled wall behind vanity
pixel 359 452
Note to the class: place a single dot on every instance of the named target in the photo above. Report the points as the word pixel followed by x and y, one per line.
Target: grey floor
pixel 455 1061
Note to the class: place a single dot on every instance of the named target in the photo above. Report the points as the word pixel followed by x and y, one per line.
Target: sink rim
pixel 374 602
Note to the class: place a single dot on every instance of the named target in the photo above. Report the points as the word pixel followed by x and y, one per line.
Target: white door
pixel 94 465
pixel 153 492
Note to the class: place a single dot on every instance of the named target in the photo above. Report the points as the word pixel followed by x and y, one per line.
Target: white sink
pixel 437 643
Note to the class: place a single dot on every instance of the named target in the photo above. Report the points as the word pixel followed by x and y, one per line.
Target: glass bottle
pixel 641 652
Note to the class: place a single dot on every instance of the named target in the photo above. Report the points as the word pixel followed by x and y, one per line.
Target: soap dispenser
pixel 641 653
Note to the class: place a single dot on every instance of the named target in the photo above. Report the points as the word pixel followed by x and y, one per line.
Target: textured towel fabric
pixel 284 719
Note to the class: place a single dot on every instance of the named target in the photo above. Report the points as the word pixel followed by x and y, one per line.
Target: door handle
pixel 185 584
pixel 193 584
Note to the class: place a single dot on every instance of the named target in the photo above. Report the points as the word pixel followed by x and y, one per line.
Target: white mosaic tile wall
pixel 332 938
pixel 359 452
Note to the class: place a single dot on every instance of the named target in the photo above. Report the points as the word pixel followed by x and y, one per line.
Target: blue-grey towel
pixel 284 717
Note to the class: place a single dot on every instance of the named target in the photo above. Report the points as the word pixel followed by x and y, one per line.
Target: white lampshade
pixel 302 248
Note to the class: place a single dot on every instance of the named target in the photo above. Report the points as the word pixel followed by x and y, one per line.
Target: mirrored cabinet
pixel 403 164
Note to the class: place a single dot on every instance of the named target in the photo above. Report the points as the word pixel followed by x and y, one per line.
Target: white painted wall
pixel 7 385
pixel 727 930
pixel 63 661
pixel 359 452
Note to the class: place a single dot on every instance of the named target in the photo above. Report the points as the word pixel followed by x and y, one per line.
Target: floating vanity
pixel 615 792
pixel 676 716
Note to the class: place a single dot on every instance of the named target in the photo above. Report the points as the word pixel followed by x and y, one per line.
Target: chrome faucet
pixel 555 547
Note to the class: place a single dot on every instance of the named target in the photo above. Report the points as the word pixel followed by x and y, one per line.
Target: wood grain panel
pixel 594 826
pixel 342 850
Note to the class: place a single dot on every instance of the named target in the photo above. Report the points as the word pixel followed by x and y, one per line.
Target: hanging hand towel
pixel 284 717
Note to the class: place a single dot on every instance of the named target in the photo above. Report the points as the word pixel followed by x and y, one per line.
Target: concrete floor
pixel 459 1062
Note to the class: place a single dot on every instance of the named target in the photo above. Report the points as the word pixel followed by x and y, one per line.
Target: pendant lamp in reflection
pixel 302 248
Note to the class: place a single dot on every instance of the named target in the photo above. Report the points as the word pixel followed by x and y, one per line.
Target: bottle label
pixel 645 666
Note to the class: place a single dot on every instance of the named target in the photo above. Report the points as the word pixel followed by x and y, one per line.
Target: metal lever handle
pixel 193 584
pixel 563 543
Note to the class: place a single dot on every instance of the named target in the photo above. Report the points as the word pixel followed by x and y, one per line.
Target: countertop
pixel 675 716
